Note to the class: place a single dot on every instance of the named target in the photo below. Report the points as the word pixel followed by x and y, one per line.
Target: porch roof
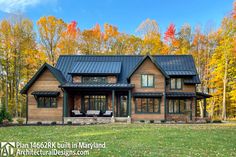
pixel 45 93
pixel 100 85
pixel 180 94
pixel 201 95
pixel 149 94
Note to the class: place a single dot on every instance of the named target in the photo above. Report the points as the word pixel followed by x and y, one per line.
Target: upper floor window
pixel 147 80
pixel 94 79
pixel 175 83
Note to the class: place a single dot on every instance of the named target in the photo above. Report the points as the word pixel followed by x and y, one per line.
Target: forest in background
pixel 23 50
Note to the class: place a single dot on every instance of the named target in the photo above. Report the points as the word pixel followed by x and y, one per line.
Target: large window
pixel 176 106
pixel 97 79
pixel 176 83
pixel 95 102
pixel 147 80
pixel 47 102
pixel 148 105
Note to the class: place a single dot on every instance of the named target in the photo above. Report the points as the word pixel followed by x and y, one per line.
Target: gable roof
pixel 170 64
pixel 100 68
pixel 153 61
pixel 56 73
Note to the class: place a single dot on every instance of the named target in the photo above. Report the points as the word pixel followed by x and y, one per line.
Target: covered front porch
pixel 95 101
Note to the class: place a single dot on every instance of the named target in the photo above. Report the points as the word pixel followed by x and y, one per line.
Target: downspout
pixel 164 96
pixel 27 108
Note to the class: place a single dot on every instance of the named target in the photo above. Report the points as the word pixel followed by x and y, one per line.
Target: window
pixel 176 105
pixel 47 102
pixel 148 105
pixel 95 102
pixel 147 80
pixel 97 79
pixel 175 83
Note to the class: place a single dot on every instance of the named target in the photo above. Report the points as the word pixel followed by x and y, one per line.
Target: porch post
pixel 65 104
pixel 113 102
pixel 204 113
pixel 129 103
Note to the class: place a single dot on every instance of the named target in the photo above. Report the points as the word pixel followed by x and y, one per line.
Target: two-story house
pixel 160 87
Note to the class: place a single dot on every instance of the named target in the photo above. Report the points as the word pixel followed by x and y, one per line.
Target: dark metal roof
pixel 46 93
pixel 201 95
pixel 129 62
pixel 192 80
pixel 96 68
pixel 180 94
pixel 181 73
pixel 56 73
pixel 106 85
pixel 149 94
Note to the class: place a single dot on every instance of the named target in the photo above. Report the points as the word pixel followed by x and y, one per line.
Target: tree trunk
pixel 225 80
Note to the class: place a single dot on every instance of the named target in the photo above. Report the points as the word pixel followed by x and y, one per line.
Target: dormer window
pixel 94 79
pixel 147 80
pixel 176 83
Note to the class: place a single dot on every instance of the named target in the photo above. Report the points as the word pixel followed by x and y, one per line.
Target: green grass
pixel 136 139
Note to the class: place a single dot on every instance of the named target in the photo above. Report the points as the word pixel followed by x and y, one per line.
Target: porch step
pixel 121 119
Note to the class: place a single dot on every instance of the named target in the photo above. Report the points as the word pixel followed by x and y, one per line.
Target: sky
pixel 125 14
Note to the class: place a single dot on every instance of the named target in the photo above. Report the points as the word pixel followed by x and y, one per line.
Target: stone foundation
pixel 87 120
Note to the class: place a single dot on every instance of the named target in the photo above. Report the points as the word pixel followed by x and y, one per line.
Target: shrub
pixel 151 121
pixel 216 120
pixel 142 121
pixel 39 123
pixel 5 121
pixel 163 121
pixel 4 115
pixel 69 122
pixel 53 123
pixel 20 121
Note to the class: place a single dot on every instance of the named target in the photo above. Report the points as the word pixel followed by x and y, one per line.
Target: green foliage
pixel 205 140
pixel 4 115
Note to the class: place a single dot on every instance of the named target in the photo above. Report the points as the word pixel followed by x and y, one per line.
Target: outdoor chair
pixel 107 114
pixel 91 113
pixel 77 113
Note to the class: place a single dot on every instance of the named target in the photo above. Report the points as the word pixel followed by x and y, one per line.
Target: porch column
pixel 65 104
pixel 204 112
pixel 129 103
pixel 113 102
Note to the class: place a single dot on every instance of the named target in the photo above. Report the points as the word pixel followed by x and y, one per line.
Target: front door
pixel 122 106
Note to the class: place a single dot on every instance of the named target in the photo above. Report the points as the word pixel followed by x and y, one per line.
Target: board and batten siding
pixel 46 82
pixel 147 67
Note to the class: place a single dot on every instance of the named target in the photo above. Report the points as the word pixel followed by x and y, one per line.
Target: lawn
pixel 136 139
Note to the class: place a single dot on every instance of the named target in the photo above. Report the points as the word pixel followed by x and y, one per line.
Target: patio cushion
pixel 77 112
pixel 93 112
pixel 107 113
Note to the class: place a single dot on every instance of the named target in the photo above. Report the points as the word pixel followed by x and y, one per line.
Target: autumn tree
pixel 149 31
pixel 68 43
pixel 50 30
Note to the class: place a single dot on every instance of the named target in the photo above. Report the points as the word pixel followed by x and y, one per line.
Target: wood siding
pixel 46 82
pixel 148 67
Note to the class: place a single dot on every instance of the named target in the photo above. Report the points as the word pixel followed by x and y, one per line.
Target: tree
pixel 50 30
pixel 149 32
pixel 68 43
